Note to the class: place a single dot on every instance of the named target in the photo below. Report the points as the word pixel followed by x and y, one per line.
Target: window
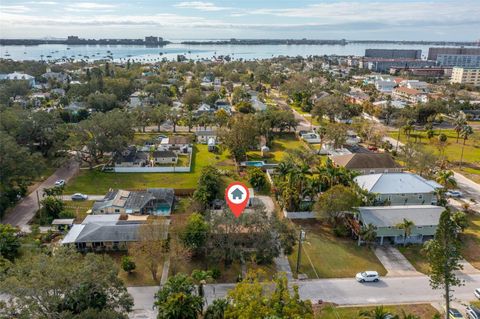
pixel 420 196
pixel 117 210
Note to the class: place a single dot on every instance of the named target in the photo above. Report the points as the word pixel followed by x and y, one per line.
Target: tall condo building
pixel 466 76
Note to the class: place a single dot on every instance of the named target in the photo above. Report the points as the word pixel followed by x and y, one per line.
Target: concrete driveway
pixel 395 263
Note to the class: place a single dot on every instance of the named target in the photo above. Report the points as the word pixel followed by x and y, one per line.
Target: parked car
pixel 60 182
pixel 79 196
pixel 477 293
pixel 454 314
pixel 473 312
pixel 367 276
pixel 454 193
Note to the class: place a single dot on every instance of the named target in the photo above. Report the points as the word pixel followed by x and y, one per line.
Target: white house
pixel 203 136
pixel 18 76
pixel 164 157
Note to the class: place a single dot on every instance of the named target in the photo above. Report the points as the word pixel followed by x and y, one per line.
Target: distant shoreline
pixel 141 42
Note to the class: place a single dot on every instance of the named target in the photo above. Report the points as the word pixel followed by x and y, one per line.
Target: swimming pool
pixel 254 163
pixel 163 210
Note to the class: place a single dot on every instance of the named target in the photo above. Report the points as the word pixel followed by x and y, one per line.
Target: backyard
pixel 281 144
pixel 423 311
pixel 326 256
pixel 141 276
pixel 97 182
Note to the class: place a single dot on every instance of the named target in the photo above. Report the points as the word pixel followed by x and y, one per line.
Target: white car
pixel 60 182
pixel 367 276
pixel 477 293
pixel 473 312
pixel 454 193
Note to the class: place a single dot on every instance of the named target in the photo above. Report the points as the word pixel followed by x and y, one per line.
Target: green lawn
pixel 328 256
pixel 96 182
pixel 453 149
pixel 416 257
pixel 471 248
pixel 281 144
pixel 471 240
pixel 79 208
pixel 423 311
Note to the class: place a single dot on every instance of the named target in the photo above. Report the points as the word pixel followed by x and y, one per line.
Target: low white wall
pixel 298 215
pixel 168 169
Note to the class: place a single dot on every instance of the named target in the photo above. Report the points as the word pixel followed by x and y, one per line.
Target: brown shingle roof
pixel 365 160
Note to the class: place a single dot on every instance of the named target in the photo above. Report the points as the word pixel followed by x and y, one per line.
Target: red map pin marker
pixel 236 196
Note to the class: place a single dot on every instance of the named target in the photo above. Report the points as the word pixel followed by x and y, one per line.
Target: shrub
pixel 128 264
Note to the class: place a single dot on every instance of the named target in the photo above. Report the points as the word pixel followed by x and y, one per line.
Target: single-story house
pixel 165 157
pixel 399 188
pixel 131 157
pixel 153 201
pixel 56 76
pixel 223 105
pixel 386 220
pixel 204 108
pixel 106 233
pixel 367 163
pixel 204 135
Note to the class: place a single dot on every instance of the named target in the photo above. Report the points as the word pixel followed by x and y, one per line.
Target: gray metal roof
pixel 396 183
pixel 107 228
pixel 104 232
pixel 134 200
pixel 390 216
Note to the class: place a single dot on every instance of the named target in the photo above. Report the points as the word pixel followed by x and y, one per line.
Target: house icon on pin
pixel 237 194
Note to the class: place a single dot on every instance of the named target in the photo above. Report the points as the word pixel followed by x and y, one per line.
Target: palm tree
pixel 216 310
pixel 407 226
pixel 446 179
pixel 368 233
pixel 466 131
pixel 459 123
pixel 377 313
pixel 406 316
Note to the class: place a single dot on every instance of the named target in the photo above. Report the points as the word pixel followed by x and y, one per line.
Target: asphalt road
pixel 347 291
pixel 24 211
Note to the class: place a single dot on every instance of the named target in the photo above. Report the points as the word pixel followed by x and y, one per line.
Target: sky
pixel 449 20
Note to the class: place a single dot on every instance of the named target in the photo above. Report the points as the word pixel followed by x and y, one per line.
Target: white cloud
pixel 43 2
pixel 13 9
pixel 200 5
pixel 89 6
pixel 392 12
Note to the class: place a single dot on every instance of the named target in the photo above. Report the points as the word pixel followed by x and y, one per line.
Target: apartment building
pixel 466 76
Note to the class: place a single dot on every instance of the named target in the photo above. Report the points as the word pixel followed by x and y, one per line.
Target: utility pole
pixel 38 200
pixel 301 238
